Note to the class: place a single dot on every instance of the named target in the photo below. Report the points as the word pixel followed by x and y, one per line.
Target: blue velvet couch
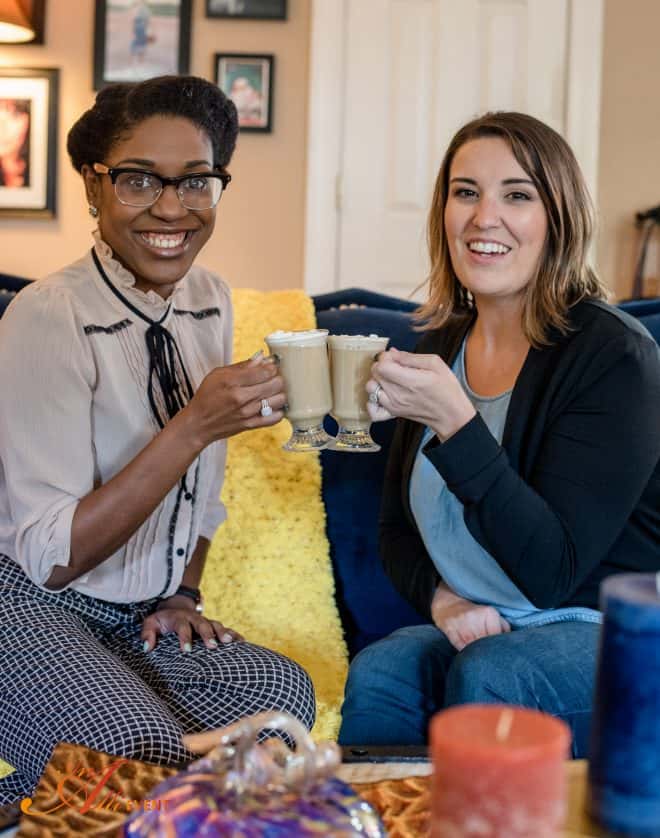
pixel 370 607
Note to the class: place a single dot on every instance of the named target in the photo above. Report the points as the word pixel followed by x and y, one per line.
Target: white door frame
pixel 325 122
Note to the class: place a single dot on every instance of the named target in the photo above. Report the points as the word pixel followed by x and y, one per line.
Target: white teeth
pixel 488 247
pixel 164 241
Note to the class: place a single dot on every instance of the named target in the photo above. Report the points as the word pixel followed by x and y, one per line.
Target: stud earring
pixel 93 211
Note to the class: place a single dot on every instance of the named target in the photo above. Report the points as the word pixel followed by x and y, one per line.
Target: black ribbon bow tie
pixel 165 362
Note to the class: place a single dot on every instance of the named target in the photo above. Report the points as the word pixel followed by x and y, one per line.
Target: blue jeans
pixel 395 685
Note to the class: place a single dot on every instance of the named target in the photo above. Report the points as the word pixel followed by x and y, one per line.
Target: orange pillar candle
pixel 498 772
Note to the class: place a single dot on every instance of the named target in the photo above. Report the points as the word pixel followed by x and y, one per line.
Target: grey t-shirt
pixel 464 565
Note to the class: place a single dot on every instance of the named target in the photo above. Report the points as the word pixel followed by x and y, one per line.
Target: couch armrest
pixel 361 297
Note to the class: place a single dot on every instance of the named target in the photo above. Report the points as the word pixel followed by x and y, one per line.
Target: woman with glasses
pixel 112 448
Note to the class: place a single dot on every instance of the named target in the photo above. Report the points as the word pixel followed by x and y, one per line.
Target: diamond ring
pixel 373 397
pixel 266 409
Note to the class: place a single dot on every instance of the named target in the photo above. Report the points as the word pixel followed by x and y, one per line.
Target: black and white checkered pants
pixel 72 669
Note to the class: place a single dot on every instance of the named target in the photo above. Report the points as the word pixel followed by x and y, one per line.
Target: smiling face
pixel 495 221
pixel 157 244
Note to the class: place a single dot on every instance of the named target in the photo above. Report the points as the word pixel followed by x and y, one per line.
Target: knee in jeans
pixel 475 675
pixel 359 671
pixel 368 665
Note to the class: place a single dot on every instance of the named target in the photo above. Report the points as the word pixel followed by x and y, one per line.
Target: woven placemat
pixel 86 792
pixel 404 805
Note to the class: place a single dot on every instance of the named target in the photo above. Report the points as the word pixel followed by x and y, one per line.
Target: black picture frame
pixel 29 95
pixel 36 12
pixel 247 9
pixel 247 78
pixel 127 53
pixel 38 16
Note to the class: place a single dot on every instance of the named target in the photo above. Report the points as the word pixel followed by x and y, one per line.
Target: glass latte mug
pixel 303 362
pixel 351 357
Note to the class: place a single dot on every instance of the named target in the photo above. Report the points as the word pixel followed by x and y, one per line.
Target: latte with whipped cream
pixel 351 357
pixel 303 362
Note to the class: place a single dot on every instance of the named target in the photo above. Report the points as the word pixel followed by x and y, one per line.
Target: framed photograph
pixel 250 9
pixel 36 14
pixel 28 139
pixel 248 81
pixel 138 39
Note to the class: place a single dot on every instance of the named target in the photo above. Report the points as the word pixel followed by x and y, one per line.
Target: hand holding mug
pixel 418 387
pixel 233 399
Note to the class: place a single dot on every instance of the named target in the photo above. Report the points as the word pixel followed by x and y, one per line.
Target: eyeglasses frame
pixel 114 171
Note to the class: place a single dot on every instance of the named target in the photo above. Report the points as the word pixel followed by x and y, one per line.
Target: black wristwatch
pixel 192 593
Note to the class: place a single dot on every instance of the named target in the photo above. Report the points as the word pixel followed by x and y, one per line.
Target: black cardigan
pixel 573 493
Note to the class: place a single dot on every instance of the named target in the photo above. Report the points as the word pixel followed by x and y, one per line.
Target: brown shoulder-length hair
pixel 563 275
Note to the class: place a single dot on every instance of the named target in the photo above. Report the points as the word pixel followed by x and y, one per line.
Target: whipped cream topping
pixel 374 343
pixel 307 337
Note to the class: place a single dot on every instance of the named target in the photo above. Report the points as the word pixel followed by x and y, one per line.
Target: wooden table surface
pixel 578 823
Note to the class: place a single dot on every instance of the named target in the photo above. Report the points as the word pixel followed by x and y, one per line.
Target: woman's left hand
pixel 175 615
pixel 421 388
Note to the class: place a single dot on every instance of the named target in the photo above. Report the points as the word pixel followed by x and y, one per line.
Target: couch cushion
pixel 647 312
pixel 9 286
pixel 5 298
pixel 361 297
pixel 369 606
pixel 268 573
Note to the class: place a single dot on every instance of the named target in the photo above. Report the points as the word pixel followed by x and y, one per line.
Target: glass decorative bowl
pixel 258 789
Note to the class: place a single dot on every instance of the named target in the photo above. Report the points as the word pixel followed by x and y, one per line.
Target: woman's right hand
pixel 463 621
pixel 229 400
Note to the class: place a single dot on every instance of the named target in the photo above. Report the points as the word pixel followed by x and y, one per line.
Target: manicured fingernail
pixel 257 355
pixel 187 647
pixel 212 643
pixel 226 638
pixel 145 646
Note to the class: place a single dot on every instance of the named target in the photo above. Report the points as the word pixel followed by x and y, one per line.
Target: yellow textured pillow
pixel 268 573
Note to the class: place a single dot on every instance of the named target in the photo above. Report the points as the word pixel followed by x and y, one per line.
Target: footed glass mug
pixel 351 357
pixel 303 361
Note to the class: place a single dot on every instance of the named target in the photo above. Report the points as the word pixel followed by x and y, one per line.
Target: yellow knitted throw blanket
pixel 268 573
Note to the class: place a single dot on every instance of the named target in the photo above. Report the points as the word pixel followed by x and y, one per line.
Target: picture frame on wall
pixel 28 153
pixel 248 9
pixel 36 14
pixel 136 40
pixel 247 79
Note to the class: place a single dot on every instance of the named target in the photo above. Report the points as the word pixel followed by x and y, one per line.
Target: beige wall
pixel 629 172
pixel 259 238
pixel 259 234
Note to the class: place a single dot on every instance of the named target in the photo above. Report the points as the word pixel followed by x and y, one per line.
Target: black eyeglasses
pixel 135 188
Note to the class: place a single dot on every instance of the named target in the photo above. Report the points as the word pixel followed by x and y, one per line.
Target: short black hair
pixel 120 107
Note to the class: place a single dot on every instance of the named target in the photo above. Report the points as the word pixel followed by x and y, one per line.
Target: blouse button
pixel 180 551
pixel 188 496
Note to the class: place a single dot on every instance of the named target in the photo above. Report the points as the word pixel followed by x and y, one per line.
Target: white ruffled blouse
pixel 74 410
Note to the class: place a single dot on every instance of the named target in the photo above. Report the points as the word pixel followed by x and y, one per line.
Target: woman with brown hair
pixel 525 466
